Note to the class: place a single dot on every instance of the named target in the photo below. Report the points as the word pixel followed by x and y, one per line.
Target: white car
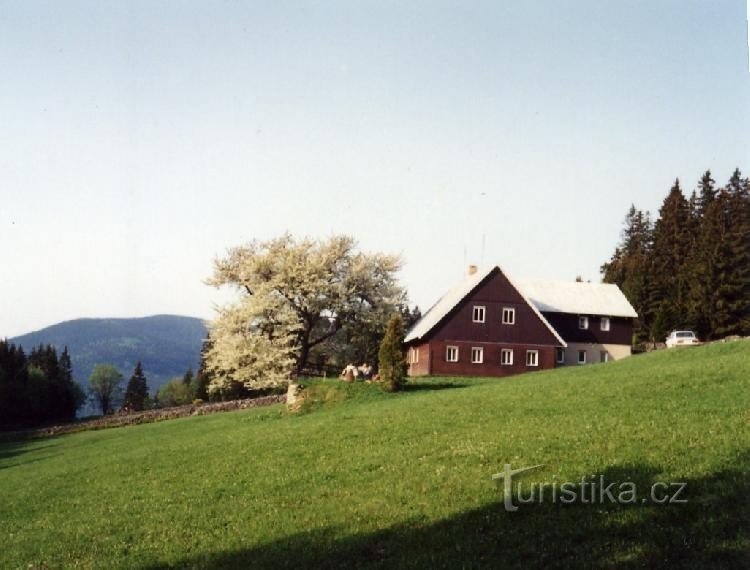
pixel 681 338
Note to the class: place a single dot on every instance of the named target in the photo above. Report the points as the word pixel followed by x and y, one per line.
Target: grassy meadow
pixel 364 478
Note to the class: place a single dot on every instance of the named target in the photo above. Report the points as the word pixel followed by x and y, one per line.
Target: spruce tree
pixel 136 393
pixel 200 384
pixel 187 379
pixel 700 263
pixel 73 394
pixel 392 364
pixel 718 269
pixel 736 286
pixel 629 266
pixel 203 376
pixel 668 291
pixel 707 188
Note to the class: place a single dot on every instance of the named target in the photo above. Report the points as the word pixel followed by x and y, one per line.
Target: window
pixel 506 357
pixel 451 354
pixel 604 356
pixel 604 324
pixel 478 314
pixel 560 356
pixel 532 358
pixel 509 316
pixel 477 355
pixel 413 356
pixel 581 357
pixel 583 323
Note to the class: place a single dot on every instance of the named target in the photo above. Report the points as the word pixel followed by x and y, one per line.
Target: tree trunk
pixel 304 352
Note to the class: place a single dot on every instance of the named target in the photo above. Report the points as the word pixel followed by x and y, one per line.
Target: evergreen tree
pixel 392 364
pixel 409 316
pixel 38 388
pixel 203 376
pixel 73 396
pixel 136 393
pixel 630 264
pixel 736 285
pixel 707 187
pixel 692 269
pixel 187 378
pixel 668 289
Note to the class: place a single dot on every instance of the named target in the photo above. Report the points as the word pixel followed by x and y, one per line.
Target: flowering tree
pixel 295 295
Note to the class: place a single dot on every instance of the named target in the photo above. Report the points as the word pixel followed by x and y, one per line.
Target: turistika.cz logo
pixel 593 490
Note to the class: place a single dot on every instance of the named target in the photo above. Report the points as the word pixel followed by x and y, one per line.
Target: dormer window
pixel 509 316
pixel 478 314
pixel 583 323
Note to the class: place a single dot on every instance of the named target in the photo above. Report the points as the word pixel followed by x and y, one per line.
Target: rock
pixel 294 396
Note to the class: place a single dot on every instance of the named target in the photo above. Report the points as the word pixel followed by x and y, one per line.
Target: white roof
pixel 457 294
pixel 578 298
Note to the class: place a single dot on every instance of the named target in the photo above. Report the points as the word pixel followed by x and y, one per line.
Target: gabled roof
pixel 456 295
pixel 578 298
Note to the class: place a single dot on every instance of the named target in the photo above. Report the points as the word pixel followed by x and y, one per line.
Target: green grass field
pixel 365 478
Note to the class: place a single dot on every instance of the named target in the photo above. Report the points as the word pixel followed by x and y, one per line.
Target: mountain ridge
pixel 167 345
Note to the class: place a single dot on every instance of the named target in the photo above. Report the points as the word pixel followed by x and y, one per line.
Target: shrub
pixel 175 393
pixel 392 364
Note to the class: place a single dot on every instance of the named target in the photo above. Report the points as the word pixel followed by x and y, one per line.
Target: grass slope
pixel 404 480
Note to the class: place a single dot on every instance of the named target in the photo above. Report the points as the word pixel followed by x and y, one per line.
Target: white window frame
pixel 558 358
pixel 413 356
pixel 477 350
pixel 448 350
pixel 585 357
pixel 583 322
pixel 477 310
pixel 604 324
pixel 603 356
pixel 509 353
pixel 532 358
pixel 511 313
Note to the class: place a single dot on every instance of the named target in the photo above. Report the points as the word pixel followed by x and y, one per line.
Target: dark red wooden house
pixel 490 326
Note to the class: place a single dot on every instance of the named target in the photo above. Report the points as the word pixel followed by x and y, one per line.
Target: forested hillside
pixel 167 345
pixel 691 267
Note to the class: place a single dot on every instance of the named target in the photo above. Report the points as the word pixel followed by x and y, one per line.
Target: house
pixel 489 325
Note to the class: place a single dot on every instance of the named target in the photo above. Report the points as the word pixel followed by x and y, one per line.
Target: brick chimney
pixel 472 269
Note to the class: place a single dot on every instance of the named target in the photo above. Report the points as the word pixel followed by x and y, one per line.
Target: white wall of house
pixel 594 352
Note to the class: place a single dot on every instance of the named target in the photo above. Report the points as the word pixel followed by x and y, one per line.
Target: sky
pixel 140 140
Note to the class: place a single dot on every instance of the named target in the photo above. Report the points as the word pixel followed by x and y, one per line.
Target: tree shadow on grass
pixel 10 450
pixel 711 530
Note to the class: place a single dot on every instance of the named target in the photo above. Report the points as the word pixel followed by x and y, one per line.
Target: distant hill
pixel 166 345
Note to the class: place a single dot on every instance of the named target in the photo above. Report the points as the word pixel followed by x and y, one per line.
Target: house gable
pixel 453 316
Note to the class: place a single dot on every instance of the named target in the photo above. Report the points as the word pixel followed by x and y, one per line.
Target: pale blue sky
pixel 138 140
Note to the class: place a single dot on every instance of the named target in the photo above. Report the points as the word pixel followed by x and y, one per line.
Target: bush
pixel 175 393
pixel 392 364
